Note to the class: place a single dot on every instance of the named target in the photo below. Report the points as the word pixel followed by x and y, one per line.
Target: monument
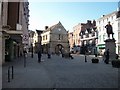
pixel 110 43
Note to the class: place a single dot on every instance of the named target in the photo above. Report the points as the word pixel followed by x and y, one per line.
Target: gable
pixel 59 29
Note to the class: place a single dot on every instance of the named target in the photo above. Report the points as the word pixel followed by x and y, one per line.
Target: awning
pixel 101 46
pixel 16 37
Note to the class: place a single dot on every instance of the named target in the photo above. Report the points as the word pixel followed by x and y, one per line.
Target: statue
pixel 109 30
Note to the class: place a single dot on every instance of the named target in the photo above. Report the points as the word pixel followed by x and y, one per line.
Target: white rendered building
pixel 102 35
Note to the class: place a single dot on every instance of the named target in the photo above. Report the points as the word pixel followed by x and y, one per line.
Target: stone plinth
pixel 110 44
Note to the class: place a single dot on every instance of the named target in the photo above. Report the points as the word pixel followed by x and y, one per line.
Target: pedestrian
pixel 95 52
pixel 70 56
pixel 104 56
pixel 49 55
pixel 62 52
pixel 107 56
pixel 39 56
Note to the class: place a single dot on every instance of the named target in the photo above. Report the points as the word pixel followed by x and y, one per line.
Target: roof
pixel 105 16
pixel 52 27
pixel 39 31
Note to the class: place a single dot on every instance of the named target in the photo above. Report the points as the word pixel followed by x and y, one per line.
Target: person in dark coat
pixel 39 56
pixel 49 56
pixel 107 56
pixel 70 56
pixel 62 52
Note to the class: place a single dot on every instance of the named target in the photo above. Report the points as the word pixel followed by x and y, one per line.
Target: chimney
pixel 89 21
pixel 94 23
pixel 46 27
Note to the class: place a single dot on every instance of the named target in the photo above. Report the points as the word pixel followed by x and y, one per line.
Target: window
pixel 103 20
pixel 118 24
pixel 99 22
pixel 59 36
pixel 107 19
pixel 99 38
pixel 104 37
pixel 103 28
pixel 93 34
pixel 2 9
pixel 99 28
pixel 46 37
pixel 112 18
pixel 62 37
pixel 43 37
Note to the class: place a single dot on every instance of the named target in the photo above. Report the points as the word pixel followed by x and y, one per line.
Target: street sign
pixel 25 38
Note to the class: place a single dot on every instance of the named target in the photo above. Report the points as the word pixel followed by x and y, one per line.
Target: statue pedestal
pixel 110 44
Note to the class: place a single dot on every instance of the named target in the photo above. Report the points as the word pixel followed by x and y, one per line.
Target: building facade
pixel 71 40
pixel 76 31
pixel 88 37
pixel 76 37
pixel 1 35
pixel 13 25
pixel 37 41
pixel 31 40
pixel 54 39
pixel 114 19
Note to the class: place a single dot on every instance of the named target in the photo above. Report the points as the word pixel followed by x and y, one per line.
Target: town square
pixel 59 45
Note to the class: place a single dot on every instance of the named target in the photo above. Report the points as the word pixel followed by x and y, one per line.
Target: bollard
pixel 8 74
pixel 12 73
pixel 32 55
pixel 85 59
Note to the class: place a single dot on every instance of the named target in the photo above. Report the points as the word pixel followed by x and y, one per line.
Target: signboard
pixel 25 38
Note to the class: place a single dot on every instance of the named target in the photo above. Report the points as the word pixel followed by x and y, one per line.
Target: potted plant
pixel 95 60
pixel 116 63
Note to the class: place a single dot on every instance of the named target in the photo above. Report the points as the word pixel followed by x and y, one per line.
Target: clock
pixel 59 29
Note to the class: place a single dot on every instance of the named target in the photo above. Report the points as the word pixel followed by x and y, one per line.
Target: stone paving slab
pixel 59 72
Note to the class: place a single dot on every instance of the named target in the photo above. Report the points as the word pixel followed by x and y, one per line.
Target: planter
pixel 116 63
pixel 95 60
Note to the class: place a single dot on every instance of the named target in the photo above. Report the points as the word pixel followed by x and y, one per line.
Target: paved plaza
pixel 59 72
